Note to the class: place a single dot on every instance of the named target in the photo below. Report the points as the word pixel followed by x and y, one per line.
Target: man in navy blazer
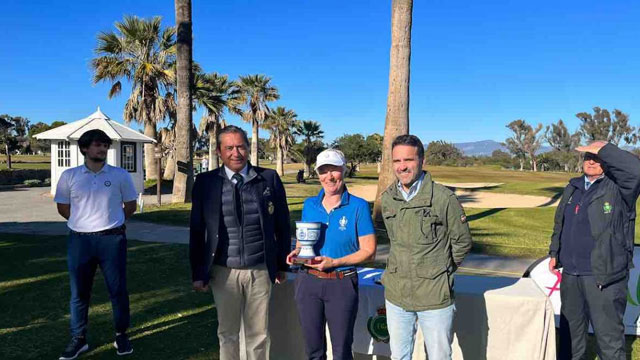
pixel 239 240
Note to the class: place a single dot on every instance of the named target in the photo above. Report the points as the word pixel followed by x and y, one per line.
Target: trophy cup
pixel 307 233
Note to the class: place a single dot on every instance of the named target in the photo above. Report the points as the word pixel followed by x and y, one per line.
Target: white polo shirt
pixel 96 198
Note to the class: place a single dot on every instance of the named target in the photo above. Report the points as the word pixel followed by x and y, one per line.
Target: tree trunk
pixel 6 149
pixel 150 162
pixel 307 170
pixel 170 167
pixel 254 142
pixel 279 160
pixel 183 179
pixel 521 164
pixel 397 117
pixel 213 145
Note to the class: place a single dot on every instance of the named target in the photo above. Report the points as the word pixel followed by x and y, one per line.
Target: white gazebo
pixel 125 152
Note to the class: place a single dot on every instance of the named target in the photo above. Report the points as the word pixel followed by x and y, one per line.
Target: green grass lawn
pixel 26 162
pixel 168 319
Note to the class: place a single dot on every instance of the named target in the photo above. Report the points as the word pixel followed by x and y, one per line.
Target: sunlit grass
pixel 168 319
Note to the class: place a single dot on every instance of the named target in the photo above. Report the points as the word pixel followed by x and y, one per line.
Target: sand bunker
pixel 473 199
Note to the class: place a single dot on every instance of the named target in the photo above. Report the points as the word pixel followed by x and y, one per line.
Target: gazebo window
pixel 128 157
pixel 64 154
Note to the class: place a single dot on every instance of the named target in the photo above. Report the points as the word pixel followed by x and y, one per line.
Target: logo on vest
pixel 343 223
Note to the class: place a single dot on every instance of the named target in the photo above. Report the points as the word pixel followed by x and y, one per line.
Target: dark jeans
pixel 583 302
pixel 85 253
pixel 322 301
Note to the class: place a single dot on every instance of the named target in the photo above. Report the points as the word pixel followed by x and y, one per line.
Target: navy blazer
pixel 206 212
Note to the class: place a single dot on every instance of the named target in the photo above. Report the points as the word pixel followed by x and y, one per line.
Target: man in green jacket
pixel 592 241
pixel 429 238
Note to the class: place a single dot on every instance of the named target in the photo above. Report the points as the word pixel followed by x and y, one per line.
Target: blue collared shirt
pixel 341 227
pixel 413 190
pixel 587 183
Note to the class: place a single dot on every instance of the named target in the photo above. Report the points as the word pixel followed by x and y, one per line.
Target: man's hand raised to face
pixel 593 147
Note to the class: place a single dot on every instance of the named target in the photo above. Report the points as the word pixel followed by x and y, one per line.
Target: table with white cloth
pixel 496 318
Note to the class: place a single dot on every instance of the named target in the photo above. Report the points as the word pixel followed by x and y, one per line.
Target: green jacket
pixel 429 238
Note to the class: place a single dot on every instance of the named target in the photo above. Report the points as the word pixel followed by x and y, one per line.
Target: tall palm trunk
pixel 150 162
pixel 254 142
pixel 170 167
pixel 6 149
pixel 213 156
pixel 183 179
pixel 279 158
pixel 213 145
pixel 397 117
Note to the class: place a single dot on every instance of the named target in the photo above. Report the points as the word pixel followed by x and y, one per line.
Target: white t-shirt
pixel 96 198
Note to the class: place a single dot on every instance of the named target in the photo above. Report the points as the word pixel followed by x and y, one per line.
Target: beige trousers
pixel 242 297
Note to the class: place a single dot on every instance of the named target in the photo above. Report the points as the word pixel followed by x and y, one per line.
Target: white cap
pixel 330 157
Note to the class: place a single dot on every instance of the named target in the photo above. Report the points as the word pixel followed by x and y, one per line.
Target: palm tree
pixel 215 93
pixel 255 92
pixel 142 53
pixel 397 118
pixel 311 132
pixel 183 179
pixel 281 122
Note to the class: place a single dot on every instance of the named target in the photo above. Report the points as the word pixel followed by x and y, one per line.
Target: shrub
pixel 33 182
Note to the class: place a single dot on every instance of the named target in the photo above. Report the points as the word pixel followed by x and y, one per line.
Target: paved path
pixel 32 211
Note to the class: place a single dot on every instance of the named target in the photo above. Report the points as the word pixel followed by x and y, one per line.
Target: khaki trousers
pixel 242 297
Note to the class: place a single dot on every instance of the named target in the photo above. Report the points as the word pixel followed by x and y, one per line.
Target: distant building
pixel 125 152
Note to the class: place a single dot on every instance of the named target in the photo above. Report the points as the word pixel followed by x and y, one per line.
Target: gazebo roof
pixel 97 120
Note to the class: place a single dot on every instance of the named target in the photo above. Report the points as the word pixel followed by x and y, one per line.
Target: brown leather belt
pixel 336 274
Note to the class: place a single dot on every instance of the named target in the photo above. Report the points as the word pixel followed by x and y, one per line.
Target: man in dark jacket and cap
pixel 593 239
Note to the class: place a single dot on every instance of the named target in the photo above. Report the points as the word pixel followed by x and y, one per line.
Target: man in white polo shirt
pixel 96 199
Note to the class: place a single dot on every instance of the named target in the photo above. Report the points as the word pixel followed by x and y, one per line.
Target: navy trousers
pixel 85 253
pixel 584 302
pixel 327 301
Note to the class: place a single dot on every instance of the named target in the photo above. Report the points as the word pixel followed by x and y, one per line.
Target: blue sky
pixel 475 66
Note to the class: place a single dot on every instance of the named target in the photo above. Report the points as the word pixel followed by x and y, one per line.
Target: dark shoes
pixel 76 346
pixel 123 345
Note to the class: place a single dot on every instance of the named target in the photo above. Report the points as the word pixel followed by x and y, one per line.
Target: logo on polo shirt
pixel 343 223
pixel 107 183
